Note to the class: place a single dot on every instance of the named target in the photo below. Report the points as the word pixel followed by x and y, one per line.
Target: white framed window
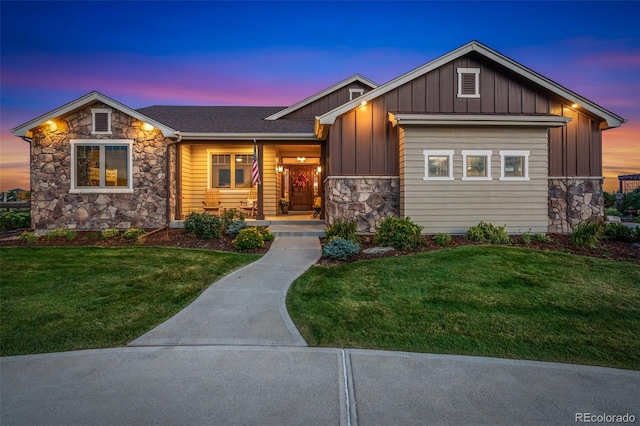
pixel 101 166
pixel 354 93
pixel 514 165
pixel 101 121
pixel 476 165
pixel 438 164
pixel 229 170
pixel 468 82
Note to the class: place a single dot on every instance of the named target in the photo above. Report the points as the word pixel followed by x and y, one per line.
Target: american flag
pixel 255 171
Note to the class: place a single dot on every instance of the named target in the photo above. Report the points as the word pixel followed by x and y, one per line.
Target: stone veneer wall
pixel 366 200
pixel 52 206
pixel 573 200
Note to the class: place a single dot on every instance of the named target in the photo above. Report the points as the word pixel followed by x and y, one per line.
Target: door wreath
pixel 301 180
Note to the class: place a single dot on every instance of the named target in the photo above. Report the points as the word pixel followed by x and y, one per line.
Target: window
pixel 438 165
pixel 101 119
pixel 514 165
pixel 468 82
pixel 101 166
pixel 224 166
pixel 476 165
pixel 354 93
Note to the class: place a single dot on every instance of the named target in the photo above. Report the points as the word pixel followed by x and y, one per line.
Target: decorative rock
pixel 378 250
pixel 613 219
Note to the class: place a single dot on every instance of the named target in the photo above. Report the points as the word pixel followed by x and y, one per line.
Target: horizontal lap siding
pixel 196 180
pixel 454 206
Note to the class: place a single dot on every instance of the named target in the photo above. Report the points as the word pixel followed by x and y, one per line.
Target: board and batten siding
pixel 452 206
pixel 194 175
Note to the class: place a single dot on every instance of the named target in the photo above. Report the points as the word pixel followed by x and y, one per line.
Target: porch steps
pixel 303 229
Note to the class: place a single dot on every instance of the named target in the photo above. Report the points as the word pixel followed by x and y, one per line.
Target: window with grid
pixel 224 166
pixel 101 166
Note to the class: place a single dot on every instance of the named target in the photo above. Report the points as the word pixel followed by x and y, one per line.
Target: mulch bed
pixel 177 238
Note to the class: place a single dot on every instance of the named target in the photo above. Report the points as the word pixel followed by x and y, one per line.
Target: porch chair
pixel 211 200
pixel 317 207
pixel 249 206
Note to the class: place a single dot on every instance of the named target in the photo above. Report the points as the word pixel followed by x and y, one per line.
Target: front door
pixel 301 187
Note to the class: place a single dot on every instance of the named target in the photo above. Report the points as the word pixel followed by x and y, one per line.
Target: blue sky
pixel 277 53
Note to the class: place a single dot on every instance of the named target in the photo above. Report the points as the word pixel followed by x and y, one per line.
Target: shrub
pixel 612 212
pixel 541 238
pixel 488 233
pixel 345 229
pixel 610 200
pixel 109 233
pixel 442 239
pixel 632 200
pixel 588 233
pixel 29 237
pixel 526 238
pixel 133 233
pixel 248 239
pixel 621 232
pixel 229 216
pixel 62 233
pixel 203 225
pixel 10 221
pixel 401 234
pixel 266 234
pixel 235 227
pixel 340 248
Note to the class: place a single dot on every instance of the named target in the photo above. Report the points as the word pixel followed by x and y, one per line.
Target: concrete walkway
pixel 233 357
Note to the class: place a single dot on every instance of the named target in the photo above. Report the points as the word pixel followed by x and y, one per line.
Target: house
pixel 470 136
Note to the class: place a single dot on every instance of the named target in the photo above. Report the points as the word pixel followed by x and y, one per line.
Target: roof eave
pixel 199 136
pixel 24 130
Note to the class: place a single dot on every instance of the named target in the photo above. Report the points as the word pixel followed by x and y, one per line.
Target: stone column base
pixel 574 200
pixel 365 199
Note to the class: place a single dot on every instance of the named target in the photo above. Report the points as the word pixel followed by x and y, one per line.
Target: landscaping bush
pixel 109 233
pixel 29 237
pixel 345 229
pixel 621 232
pixel 612 212
pixel 235 227
pixel 526 238
pixel 340 248
pixel 610 200
pixel 488 233
pixel 266 233
pixel 442 239
pixel 588 233
pixel 10 221
pixel 203 225
pixel 62 233
pixel 542 238
pixel 632 200
pixel 248 239
pixel 133 233
pixel 401 234
pixel 229 216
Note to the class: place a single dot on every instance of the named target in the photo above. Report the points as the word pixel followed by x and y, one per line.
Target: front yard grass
pixel 477 300
pixel 63 299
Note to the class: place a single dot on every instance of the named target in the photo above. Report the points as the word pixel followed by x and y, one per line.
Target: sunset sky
pixel 276 53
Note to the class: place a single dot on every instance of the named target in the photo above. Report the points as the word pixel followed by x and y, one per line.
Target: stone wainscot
pixel 367 200
pixel 574 200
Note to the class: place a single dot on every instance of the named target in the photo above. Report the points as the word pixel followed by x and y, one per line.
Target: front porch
pixel 291 178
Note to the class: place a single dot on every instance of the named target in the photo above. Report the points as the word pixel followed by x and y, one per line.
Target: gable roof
pixel 612 119
pixel 24 130
pixel 354 78
pixel 228 122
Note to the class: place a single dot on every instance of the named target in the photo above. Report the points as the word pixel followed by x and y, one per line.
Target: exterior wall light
pixel 52 125
pixel 147 127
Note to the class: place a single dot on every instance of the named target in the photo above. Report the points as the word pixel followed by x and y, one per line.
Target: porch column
pixel 260 213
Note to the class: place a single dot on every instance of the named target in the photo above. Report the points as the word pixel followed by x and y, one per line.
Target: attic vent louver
pixel 101 121
pixel 468 82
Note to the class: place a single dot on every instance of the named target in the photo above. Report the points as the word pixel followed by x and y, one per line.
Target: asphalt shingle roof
pixel 226 119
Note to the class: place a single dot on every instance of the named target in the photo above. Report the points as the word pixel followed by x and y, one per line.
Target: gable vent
pixel 468 82
pixel 101 121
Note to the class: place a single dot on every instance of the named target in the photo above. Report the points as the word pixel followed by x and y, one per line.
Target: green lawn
pixel 62 299
pixel 477 300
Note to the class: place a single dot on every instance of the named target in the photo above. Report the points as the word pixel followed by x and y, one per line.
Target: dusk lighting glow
pixel 278 53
